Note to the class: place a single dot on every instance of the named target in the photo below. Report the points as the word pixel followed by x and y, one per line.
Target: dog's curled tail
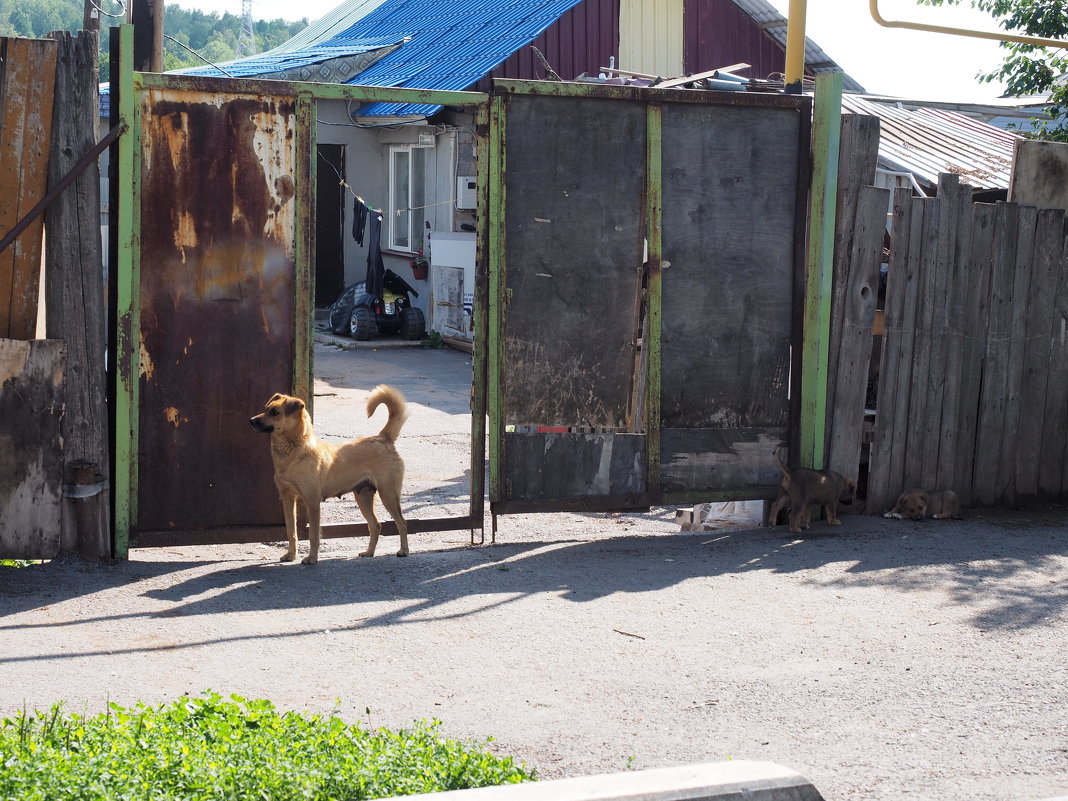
pixel 778 461
pixel 395 403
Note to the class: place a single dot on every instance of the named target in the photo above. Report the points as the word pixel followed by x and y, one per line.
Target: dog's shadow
pixel 994 569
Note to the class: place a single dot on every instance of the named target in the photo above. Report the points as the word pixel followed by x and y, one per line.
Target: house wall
pixel 650 36
pixel 367 175
pixel 581 41
pixel 718 34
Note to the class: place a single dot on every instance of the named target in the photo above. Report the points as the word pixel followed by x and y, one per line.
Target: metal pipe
pixel 920 26
pixel 65 181
pixel 795 46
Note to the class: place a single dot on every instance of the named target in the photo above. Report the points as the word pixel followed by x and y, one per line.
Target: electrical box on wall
pixel 466 196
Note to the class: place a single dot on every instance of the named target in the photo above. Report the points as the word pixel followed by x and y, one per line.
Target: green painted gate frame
pixel 818 277
pixel 488 286
pixel 126 402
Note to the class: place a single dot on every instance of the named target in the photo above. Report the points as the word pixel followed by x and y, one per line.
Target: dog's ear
pixel 294 406
pixel 275 398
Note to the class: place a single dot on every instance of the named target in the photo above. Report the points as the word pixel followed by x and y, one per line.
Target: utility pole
pixel 147 19
pixel 91 16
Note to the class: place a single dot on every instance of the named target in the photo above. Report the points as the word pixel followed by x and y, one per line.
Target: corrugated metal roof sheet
pixel 340 18
pixel 453 42
pixel 928 141
pixel 774 24
pixel 283 62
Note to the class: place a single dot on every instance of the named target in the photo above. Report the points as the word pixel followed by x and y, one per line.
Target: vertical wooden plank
pixel 27 82
pixel 925 311
pixel 935 299
pixel 31 463
pixel 858 154
pixel 975 286
pixel 74 270
pixel 1017 337
pixel 895 371
pixel 993 393
pixel 826 134
pixel 958 217
pixel 1052 472
pixel 1037 350
pixel 853 357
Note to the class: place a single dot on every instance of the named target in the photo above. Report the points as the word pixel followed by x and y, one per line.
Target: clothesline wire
pixel 398 212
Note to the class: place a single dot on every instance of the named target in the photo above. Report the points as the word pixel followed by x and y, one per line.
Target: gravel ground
pixel 882 659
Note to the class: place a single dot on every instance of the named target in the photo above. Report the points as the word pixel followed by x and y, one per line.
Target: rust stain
pixel 145 368
pixel 174 417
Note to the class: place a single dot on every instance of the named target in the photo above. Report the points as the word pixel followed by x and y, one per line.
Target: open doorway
pixel 329 221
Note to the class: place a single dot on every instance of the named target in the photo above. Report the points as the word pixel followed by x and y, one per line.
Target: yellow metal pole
pixel 920 26
pixel 795 46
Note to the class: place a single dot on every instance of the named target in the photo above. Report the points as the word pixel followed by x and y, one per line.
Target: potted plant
pixel 419 264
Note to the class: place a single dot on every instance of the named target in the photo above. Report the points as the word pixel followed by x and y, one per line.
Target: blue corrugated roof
pixel 283 61
pixel 454 43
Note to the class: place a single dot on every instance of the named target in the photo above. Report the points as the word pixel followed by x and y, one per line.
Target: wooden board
pixel 1038 351
pixel 854 340
pixel 31 447
pixel 996 367
pixel 958 238
pixel 975 288
pixel 27 79
pixel 886 465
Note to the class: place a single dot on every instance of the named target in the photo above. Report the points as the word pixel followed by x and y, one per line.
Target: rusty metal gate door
pixel 212 306
pixel 646 291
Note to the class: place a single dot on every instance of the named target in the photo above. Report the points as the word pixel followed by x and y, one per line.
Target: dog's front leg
pixel 312 506
pixel 289 511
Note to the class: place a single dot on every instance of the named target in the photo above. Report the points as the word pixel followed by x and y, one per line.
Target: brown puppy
pixel 805 486
pixel 309 470
pixel 917 504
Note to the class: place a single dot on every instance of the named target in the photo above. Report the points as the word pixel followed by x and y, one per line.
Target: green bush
pixel 215 748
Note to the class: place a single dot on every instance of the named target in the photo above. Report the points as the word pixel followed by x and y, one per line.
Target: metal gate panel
pixel 574 232
pixel 217 302
pixel 731 234
pixel 648 281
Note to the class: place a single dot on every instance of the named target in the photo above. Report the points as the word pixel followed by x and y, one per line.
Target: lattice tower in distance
pixel 246 40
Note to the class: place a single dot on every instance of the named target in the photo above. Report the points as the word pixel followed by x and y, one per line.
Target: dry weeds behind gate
pixel 973 381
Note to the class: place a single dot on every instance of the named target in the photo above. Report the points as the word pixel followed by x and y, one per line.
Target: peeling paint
pixel 174 417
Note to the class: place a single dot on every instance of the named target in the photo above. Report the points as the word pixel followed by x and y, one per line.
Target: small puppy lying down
pixel 917 504
pixel 804 486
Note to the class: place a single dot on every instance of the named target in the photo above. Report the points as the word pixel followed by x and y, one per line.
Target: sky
pixel 891 61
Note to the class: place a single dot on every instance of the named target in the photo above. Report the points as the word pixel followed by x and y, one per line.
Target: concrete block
pixel 714 781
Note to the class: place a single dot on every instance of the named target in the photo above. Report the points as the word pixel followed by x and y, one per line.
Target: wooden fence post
pixel 76 291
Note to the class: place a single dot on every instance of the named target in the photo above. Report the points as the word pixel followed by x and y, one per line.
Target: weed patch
pixel 211 747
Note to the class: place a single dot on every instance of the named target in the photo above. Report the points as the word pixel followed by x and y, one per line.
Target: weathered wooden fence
pixel 54 442
pixel 973 379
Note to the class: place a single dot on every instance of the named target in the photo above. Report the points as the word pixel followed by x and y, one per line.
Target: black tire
pixel 362 323
pixel 339 322
pixel 413 324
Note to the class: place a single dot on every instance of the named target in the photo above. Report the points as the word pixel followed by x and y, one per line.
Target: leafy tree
pixel 213 36
pixel 1029 69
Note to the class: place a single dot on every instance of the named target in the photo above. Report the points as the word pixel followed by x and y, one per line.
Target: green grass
pixel 212 747
pixel 17 562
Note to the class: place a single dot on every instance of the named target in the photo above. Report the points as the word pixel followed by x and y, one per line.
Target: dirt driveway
pixel 882 660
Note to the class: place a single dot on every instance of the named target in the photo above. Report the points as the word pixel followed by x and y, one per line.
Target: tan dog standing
pixel 309 470
pixel 917 504
pixel 804 486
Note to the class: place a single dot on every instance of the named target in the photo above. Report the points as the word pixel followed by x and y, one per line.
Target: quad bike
pixel 363 316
